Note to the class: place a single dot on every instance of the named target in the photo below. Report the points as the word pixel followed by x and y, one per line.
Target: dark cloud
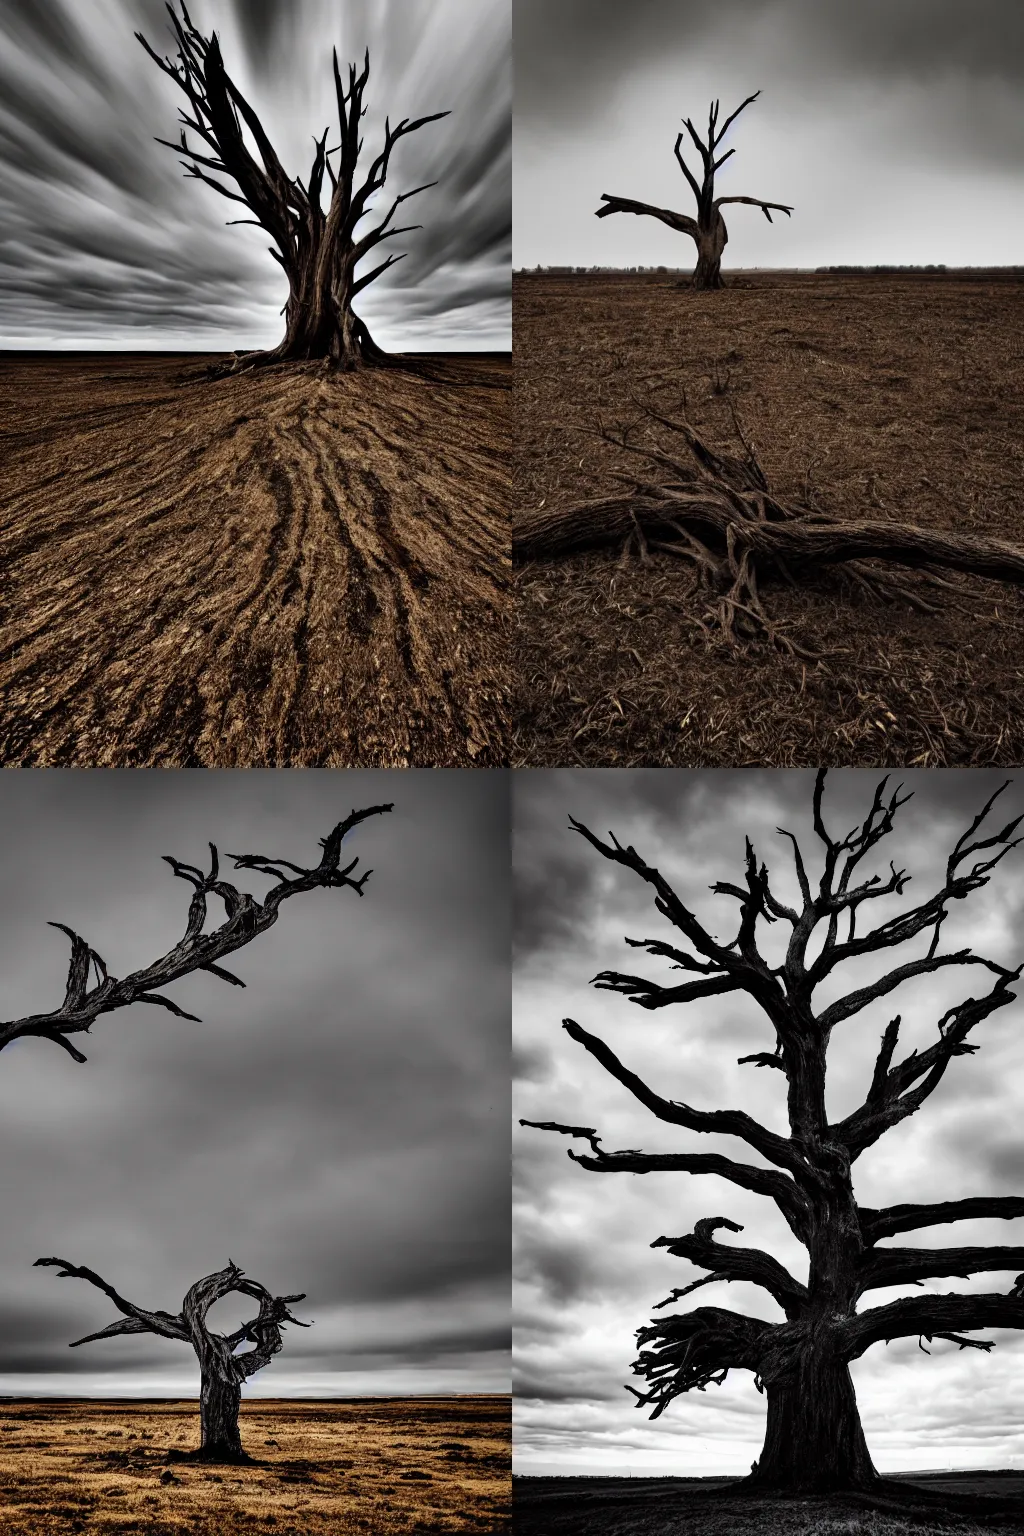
pixel 105 242
pixel 570 53
pixel 338 1127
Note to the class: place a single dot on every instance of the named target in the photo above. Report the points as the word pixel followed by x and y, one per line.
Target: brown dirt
pixel 386 1467
pixel 272 569
pixel 957 1504
pixel 881 396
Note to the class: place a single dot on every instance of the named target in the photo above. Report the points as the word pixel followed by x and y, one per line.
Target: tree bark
pixel 711 242
pixel 813 1441
pixel 219 1401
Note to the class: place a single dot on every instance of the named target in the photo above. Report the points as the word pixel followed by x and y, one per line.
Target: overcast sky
pixel 104 243
pixel 895 128
pixel 587 1277
pixel 339 1127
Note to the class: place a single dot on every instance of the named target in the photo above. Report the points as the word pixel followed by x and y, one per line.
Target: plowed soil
pixel 386 1467
pixel 952 1504
pixel 270 569
pixel 871 395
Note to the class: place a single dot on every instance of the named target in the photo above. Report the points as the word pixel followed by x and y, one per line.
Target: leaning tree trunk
pixel 813 1442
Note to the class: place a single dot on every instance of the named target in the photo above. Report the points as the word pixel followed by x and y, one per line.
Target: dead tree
pixel 717 513
pixel 707 230
pixel 195 950
pixel 813 1440
pixel 319 250
pixel 222 1371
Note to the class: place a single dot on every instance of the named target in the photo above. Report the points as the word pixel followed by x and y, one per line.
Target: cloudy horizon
pixel 586 1275
pixel 881 124
pixel 106 245
pixel 336 1128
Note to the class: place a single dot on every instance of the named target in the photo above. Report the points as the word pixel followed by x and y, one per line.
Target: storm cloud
pixel 105 243
pixel 875 121
pixel 586 1274
pixel 338 1127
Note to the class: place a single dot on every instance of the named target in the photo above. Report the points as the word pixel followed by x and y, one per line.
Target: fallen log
pixel 718 515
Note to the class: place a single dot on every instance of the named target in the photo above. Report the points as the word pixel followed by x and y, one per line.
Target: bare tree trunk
pixel 219 1401
pixel 711 242
pixel 318 249
pixel 814 1442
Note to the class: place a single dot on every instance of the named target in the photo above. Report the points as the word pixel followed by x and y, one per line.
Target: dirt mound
pixel 268 569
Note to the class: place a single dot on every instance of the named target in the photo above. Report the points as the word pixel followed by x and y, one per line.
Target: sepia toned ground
pixel 278 568
pixel 874 396
pixel 957 1504
pixel 383 1467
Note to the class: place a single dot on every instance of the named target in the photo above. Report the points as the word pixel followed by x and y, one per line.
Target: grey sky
pixel 103 242
pixel 339 1127
pixel 587 1277
pixel 882 123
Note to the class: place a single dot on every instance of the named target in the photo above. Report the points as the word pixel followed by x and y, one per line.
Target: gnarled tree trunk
pixel 220 1398
pixel 318 250
pixel 711 242
pixel 813 1440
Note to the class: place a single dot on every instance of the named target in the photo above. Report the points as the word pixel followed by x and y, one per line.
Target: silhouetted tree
pixel 318 250
pixel 813 1439
pixel 222 1371
pixel 195 950
pixel 708 229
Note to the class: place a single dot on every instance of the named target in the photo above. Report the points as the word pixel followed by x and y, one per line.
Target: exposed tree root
pixel 717 514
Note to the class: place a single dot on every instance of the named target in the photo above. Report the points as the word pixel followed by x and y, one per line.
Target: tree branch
pixel 906 1266
pixel 933 1316
pixel 680 222
pixel 196 950
pixel 893 1219
pixel 728 1122
pixel 750 1264
pixel 761 1181
pixel 136 1320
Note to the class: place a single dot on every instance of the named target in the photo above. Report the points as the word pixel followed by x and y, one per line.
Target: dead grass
pixel 881 396
pixel 272 569
pixel 413 1467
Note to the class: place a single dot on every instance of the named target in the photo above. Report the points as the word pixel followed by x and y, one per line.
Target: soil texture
pixel 872 397
pixel 277 568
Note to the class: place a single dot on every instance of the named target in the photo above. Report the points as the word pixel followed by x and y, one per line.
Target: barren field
pixel 386 1467
pixel 271 569
pixel 873 397
pixel 955 1504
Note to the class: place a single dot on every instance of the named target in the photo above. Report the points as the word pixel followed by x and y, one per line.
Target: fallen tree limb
pixel 718 514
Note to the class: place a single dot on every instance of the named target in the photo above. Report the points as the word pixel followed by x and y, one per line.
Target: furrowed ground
pixel 270 569
pixel 952 1504
pixel 877 396
pixel 386 1467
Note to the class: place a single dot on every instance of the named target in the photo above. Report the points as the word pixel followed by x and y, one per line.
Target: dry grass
pixel 960 1505
pixel 412 1467
pixel 272 569
pixel 881 396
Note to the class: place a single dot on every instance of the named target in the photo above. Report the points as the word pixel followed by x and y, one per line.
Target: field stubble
pixel 394 1467
pixel 278 568
pixel 880 396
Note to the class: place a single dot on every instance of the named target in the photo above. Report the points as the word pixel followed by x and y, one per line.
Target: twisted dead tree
pixel 813 1440
pixel 195 950
pixel 222 1371
pixel 318 250
pixel 716 512
pixel 707 230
